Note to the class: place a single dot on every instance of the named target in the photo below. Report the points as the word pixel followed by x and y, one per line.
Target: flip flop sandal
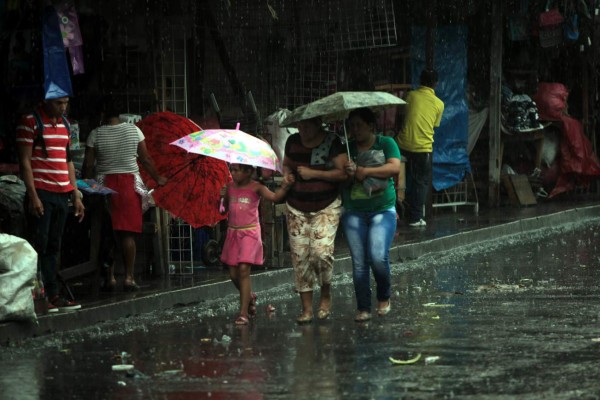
pixel 241 320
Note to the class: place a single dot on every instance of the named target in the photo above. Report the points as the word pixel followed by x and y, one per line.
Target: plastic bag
pixel 18 266
pixel 372 158
pixel 279 135
pixel 551 100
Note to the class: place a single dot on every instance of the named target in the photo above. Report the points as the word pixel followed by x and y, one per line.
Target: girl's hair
pixel 246 167
pixel 365 114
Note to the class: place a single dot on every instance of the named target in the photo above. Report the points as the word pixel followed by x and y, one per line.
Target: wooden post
pixel 495 104
pixel 430 64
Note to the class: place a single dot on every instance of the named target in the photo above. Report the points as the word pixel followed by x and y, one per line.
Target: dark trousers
pixel 46 236
pixel 418 177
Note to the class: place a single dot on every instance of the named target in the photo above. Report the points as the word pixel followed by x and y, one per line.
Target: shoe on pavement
pixel 51 308
pixel 62 304
pixel 362 316
pixel 381 311
pixel 418 223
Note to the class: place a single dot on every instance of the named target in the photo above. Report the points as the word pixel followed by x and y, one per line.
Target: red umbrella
pixel 192 192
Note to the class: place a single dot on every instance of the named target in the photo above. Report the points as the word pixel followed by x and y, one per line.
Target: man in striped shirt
pixel 49 177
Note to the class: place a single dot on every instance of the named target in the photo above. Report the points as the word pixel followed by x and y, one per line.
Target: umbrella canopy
pixel 231 145
pixel 337 106
pixel 194 181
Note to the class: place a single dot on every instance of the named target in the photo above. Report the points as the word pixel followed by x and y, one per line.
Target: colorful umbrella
pixel 231 145
pixel 194 181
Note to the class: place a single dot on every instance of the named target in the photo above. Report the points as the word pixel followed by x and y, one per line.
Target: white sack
pixel 18 266
pixel 279 135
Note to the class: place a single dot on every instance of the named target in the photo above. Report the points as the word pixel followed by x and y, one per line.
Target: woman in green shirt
pixel 369 218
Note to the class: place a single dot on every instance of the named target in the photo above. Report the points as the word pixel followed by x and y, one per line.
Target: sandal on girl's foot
pixel 270 308
pixel 252 304
pixel 241 320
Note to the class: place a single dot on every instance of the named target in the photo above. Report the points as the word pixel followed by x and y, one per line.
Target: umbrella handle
pixel 346 139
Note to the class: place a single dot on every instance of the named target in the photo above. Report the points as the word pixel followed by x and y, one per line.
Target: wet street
pixel 516 318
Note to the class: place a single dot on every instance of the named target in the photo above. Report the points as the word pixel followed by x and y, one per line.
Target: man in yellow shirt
pixel 423 114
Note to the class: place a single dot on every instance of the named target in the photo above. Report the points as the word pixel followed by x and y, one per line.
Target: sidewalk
pixel 445 231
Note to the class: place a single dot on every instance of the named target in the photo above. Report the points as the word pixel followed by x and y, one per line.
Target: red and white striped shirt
pixel 50 172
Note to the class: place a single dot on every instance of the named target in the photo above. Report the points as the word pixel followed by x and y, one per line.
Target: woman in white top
pixel 115 148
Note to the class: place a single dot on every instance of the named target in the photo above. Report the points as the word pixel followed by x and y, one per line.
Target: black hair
pixel 246 167
pixel 365 114
pixel 429 77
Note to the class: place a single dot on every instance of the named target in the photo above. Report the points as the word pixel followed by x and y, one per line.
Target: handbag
pixel 550 24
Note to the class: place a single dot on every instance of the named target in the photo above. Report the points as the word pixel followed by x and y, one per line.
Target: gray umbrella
pixel 337 106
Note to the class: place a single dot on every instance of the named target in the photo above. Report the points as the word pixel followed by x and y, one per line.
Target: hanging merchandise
pixel 69 27
pixel 518 23
pixel 57 82
pixel 571 25
pixel 551 26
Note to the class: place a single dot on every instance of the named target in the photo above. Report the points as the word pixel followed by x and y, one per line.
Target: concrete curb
pixel 11 332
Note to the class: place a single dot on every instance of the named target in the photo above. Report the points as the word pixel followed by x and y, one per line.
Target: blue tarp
pixel 450 157
pixel 57 79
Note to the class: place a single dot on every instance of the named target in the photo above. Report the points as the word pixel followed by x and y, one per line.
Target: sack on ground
pixel 18 266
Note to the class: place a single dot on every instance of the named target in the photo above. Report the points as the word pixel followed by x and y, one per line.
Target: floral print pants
pixel 312 238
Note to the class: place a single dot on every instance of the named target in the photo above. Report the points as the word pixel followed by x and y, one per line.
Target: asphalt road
pixel 516 318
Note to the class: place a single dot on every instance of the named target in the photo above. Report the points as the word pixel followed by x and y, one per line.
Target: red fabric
pixel 551 100
pixel 126 204
pixel 550 18
pixel 578 163
pixel 195 181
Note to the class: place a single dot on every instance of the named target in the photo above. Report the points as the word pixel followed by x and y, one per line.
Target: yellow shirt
pixel 424 112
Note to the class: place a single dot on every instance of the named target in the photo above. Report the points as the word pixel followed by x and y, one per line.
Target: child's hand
pixel 288 180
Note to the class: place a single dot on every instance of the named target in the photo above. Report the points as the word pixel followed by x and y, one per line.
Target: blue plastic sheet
pixel 57 81
pixel 450 157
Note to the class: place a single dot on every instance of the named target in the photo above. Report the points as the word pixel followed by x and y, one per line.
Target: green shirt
pixel 356 198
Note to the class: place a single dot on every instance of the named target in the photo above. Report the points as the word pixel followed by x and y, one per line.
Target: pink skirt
pixel 242 246
pixel 126 204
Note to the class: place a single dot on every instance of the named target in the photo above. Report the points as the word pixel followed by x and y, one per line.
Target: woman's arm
pixel 336 174
pixel 148 164
pixel 90 160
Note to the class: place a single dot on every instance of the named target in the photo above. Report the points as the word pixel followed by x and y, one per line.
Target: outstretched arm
pixel 148 164
pixel 265 193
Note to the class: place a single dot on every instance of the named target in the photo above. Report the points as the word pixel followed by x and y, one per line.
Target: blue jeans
pixel 47 233
pixel 369 236
pixel 418 177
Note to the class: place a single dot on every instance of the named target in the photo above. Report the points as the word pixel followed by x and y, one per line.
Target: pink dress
pixel 243 243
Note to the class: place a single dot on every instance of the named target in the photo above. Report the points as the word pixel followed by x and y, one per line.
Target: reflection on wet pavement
pixel 510 318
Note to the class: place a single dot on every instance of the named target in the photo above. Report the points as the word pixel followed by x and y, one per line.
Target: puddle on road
pixel 514 316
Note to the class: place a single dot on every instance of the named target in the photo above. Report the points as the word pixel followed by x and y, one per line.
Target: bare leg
pixel 234 276
pixel 307 300
pixel 244 287
pixel 127 244
pixel 325 303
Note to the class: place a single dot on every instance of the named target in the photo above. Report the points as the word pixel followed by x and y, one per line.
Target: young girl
pixel 243 243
